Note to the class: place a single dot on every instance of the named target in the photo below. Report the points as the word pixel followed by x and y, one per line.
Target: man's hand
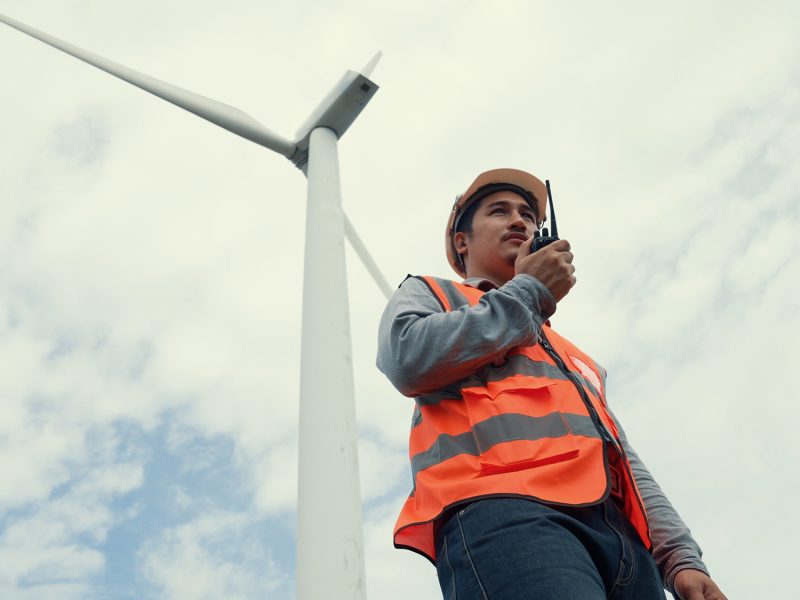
pixel 552 265
pixel 691 584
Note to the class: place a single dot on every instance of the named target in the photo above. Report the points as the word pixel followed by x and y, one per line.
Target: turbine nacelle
pixel 337 111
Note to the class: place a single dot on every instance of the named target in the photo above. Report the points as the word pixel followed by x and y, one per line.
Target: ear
pixel 460 242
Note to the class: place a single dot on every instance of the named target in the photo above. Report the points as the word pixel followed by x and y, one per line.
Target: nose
pixel 519 223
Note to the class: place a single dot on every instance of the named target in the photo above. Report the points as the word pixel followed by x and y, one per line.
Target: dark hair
pixel 465 221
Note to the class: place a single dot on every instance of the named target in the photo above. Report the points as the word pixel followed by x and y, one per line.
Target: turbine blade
pixel 366 258
pixel 227 117
pixel 370 66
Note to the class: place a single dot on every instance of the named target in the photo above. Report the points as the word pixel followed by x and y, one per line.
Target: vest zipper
pixel 599 425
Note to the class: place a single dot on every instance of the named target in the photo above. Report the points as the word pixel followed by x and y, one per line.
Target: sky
pixel 151 268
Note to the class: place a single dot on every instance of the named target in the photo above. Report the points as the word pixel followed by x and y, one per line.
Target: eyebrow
pixel 504 203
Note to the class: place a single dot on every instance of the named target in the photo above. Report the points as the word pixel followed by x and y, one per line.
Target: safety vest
pixel 535 426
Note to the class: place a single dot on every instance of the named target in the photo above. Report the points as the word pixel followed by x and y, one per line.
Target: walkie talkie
pixel 543 238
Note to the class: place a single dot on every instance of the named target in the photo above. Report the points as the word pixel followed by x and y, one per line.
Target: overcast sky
pixel 151 268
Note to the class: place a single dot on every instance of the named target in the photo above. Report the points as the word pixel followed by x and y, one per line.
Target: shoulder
pixel 415 294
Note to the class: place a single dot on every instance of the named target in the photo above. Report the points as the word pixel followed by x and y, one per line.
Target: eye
pixel 529 217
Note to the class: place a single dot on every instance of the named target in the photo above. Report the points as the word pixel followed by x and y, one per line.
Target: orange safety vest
pixel 534 427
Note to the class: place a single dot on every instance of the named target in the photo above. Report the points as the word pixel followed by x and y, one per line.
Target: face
pixel 502 222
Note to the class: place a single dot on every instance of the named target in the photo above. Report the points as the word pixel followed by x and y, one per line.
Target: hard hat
pixel 520 182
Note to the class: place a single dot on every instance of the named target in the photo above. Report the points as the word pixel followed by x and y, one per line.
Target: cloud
pixel 212 556
pixel 83 140
pixel 55 545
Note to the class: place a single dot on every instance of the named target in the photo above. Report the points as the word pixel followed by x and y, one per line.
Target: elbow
pixel 403 360
pixel 405 376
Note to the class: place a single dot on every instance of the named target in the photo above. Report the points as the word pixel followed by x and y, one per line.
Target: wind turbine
pixel 330 561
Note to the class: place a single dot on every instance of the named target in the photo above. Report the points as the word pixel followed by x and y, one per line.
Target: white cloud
pixel 210 557
pixel 53 545
pixel 276 474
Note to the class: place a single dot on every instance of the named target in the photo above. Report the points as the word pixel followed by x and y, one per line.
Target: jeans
pixel 516 549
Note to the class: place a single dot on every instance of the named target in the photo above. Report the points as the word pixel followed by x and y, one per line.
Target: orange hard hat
pixel 525 184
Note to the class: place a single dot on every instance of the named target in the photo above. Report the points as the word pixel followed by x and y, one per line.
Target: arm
pixel 421 348
pixel 674 549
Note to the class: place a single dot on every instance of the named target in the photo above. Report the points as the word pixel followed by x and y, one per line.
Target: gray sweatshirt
pixel 422 348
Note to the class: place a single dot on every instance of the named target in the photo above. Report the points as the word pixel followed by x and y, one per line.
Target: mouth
pixel 520 237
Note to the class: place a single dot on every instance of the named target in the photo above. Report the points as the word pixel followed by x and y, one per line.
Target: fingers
pixel 551 265
pixel 561 245
pixel 563 248
pixel 525 247
pixel 572 279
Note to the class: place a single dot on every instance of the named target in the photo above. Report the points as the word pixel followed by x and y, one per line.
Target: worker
pixel 524 483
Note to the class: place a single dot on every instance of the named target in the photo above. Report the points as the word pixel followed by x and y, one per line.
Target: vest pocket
pixel 496 467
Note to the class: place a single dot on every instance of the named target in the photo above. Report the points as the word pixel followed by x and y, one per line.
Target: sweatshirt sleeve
pixel 674 548
pixel 422 348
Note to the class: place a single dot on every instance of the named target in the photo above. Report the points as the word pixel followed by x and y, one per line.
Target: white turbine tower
pixel 330 561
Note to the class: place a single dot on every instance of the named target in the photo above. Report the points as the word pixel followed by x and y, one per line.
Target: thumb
pixel 525 248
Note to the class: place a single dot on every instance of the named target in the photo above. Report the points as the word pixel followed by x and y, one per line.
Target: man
pixel 525 485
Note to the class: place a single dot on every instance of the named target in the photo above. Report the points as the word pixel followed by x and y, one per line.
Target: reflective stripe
pixel 581 425
pixel 454 297
pixel 499 429
pixel 450 392
pixel 587 384
pixel 517 364
pixel 445 447
pixel 416 418
pixel 603 374
pixel 599 368
pixel 511 427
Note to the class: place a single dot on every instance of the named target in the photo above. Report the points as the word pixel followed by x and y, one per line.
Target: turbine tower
pixel 330 553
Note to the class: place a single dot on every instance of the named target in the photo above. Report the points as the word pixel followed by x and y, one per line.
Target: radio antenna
pixel 553 227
